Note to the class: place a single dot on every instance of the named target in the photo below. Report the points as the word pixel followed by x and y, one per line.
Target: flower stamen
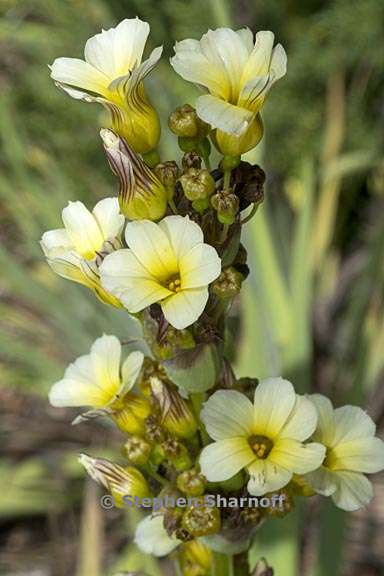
pixel 261 446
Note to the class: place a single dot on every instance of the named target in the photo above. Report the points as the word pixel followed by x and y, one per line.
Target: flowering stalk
pixel 232 454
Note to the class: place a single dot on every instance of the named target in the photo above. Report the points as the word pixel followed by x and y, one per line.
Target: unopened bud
pixel 153 430
pixel 137 450
pixel 168 173
pixel 262 569
pixel 198 186
pixel 177 453
pixel 191 483
pixel 176 416
pixel 201 520
pixel 195 559
pixel 141 193
pixel 185 122
pixel 251 515
pixel 119 481
pixel 227 205
pixel 131 414
pixel 282 503
pixel 228 284
pixel 191 160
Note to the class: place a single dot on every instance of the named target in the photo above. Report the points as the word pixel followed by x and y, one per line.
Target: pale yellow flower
pixel 73 251
pixel 112 74
pixel 95 379
pixel 348 434
pixel 237 72
pixel 168 263
pixel 267 438
pixel 152 538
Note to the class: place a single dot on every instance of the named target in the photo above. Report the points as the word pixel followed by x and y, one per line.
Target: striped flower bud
pixel 137 450
pixel 141 194
pixel 117 480
pixel 176 416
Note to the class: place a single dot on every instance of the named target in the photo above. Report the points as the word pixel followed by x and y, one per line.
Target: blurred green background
pixel 312 307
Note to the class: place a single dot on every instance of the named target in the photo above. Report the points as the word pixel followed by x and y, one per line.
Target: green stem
pixel 222 564
pixel 172 205
pixel 227 179
pixel 250 215
pixel 156 476
pixel 223 233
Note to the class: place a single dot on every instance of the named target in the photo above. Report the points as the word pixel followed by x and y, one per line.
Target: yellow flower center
pixel 330 458
pixel 174 284
pixel 261 445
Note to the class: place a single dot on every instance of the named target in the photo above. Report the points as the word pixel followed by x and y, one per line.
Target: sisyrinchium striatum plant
pixel 207 456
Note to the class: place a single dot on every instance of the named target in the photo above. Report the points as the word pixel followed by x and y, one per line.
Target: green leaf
pixel 194 370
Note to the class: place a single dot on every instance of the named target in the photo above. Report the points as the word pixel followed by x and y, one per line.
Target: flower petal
pixel 183 233
pixel 354 491
pixel 298 457
pixel 124 276
pixel 323 481
pixel 302 420
pixel 222 115
pixel 274 401
pixel 192 65
pixel 184 308
pixel 152 248
pixel 117 51
pixel 227 413
pixel 83 230
pixel 351 422
pixel 258 63
pixel 325 430
pixel 199 267
pixel 105 357
pixel 225 49
pixel 359 455
pixel 55 242
pixel 109 218
pixel 80 74
pixel 222 460
pixel 131 369
pixel 266 477
pixel 69 392
pixel 152 538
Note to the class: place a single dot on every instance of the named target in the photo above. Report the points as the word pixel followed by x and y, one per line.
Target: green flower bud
pixel 201 520
pixel 251 515
pixel 197 184
pixel 119 481
pixel 191 160
pixel 176 415
pixel 141 193
pixel 177 453
pixel 191 483
pixel 130 414
pixel 153 430
pixel 227 206
pixel 168 173
pixel 195 559
pixel 283 503
pixel 137 450
pixel 228 284
pixel 185 122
